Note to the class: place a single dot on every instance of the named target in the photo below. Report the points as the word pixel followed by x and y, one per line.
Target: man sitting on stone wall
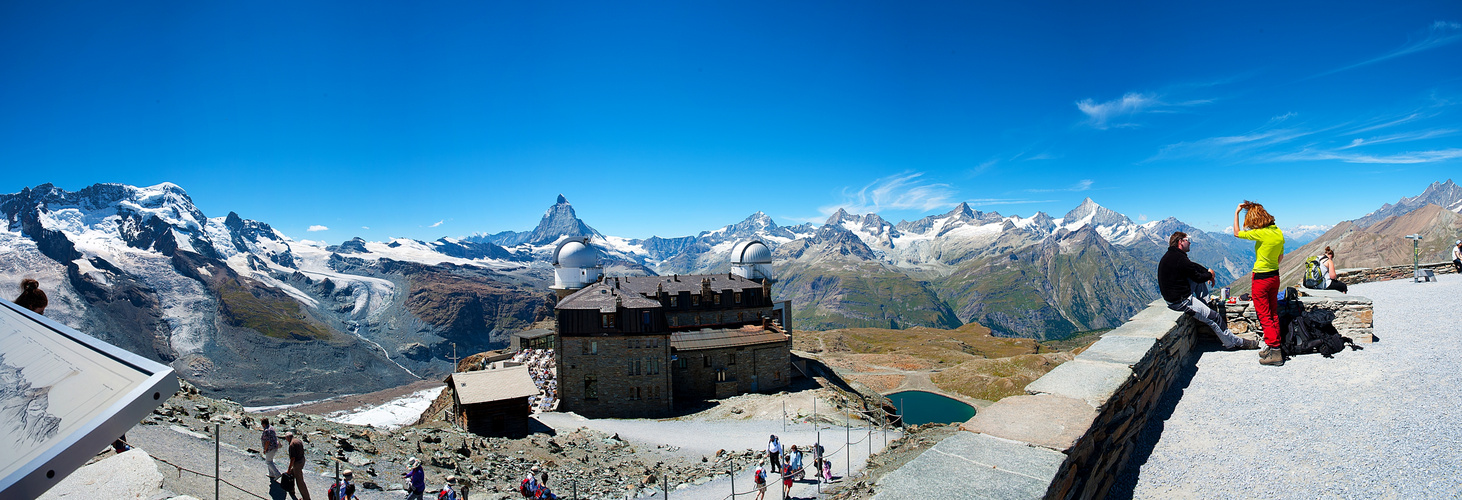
pixel 1184 286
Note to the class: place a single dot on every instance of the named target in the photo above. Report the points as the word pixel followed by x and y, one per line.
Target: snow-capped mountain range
pixel 239 307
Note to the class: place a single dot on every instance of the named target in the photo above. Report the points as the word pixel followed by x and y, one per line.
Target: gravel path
pixel 700 438
pixel 1384 422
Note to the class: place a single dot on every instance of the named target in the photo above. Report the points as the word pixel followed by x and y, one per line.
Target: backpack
pixel 1314 273
pixel 760 477
pixel 334 492
pixel 1306 336
pixel 526 488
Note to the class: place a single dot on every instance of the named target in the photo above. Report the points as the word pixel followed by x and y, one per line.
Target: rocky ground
pixel 601 464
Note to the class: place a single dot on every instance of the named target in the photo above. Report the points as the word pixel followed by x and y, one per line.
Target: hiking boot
pixel 1271 356
pixel 1244 345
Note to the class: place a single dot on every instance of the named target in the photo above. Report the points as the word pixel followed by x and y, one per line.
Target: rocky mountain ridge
pixel 239 308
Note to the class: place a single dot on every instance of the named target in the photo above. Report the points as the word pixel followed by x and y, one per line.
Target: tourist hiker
pixel 344 489
pixel 1268 250
pixel 760 478
pixel 417 478
pixel 774 450
pixel 269 442
pixel 795 458
pixel 31 296
pixel 297 464
pixel 1184 286
pixel 447 493
pixel 529 486
pixel 1457 256
pixel 817 458
pixel 1327 261
pixel 786 481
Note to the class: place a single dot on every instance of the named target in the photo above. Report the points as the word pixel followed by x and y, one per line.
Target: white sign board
pixel 64 396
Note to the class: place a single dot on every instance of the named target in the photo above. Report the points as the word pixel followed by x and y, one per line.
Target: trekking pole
pixel 848 441
pixel 665 485
pixel 731 473
pixel 217 438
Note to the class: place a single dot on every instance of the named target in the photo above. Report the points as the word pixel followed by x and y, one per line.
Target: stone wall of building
pixel 607 359
pixel 1074 431
pixel 758 368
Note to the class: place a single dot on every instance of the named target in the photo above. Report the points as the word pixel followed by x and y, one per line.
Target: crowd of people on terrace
pixel 541 367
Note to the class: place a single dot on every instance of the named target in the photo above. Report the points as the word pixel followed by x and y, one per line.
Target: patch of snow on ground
pixel 391 415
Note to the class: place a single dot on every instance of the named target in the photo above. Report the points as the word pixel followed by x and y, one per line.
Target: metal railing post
pixel 217 440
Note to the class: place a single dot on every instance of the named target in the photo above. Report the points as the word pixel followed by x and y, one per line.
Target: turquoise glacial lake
pixel 921 407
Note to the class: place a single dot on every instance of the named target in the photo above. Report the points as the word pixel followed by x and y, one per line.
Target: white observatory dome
pixel 575 253
pixel 751 252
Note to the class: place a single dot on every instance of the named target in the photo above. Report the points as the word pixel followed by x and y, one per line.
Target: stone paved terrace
pixel 1384 422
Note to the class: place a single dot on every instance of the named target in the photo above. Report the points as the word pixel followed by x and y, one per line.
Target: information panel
pixel 64 396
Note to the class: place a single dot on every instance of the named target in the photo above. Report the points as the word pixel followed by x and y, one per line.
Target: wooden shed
pixel 493 402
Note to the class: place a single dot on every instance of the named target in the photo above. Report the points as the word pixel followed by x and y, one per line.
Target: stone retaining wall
pixel 1351 314
pixel 1358 276
pixel 1072 434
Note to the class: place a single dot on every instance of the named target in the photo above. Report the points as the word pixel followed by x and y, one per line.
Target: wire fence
pixel 821 462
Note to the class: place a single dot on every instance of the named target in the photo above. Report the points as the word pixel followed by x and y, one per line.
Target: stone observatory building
pixel 630 346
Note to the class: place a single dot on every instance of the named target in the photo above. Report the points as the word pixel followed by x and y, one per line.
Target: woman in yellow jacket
pixel 1268 250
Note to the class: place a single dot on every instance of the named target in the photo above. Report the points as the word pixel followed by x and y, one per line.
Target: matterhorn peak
pixel 562 200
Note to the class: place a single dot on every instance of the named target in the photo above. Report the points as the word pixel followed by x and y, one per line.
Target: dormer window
pixel 716 299
pixel 695 300
pixel 674 301
pixel 736 297
pixel 606 320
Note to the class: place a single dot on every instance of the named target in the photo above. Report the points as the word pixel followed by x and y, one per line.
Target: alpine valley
pixel 244 311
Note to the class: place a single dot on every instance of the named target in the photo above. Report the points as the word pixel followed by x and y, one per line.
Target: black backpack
pixel 1306 335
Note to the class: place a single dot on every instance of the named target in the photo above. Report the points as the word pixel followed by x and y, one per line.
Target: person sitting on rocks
pixel 1184 286
pixel 1457 256
pixel 1327 262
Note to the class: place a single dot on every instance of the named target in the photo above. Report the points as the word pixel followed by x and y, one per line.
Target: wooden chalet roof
pixel 715 339
pixel 482 386
pixel 632 291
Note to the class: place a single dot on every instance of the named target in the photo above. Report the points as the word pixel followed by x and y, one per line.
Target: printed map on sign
pixel 50 386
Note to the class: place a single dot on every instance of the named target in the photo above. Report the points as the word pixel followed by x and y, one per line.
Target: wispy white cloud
pixel 1402 137
pixel 1227 146
pixel 1004 201
pixel 1083 185
pixel 1102 115
pixel 367 228
pixel 1142 217
pixel 904 191
pixel 1388 122
pixel 438 223
pixel 1439 34
pixel 1118 112
pixel 1409 157
pixel 317 228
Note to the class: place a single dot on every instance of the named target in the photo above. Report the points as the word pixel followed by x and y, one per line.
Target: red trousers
pixel 1265 293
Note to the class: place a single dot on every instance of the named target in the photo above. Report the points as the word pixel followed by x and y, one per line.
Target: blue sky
pixel 386 119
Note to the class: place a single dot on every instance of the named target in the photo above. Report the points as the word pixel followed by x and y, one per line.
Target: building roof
pixel 633 291
pixel 720 338
pixel 534 333
pixel 483 386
